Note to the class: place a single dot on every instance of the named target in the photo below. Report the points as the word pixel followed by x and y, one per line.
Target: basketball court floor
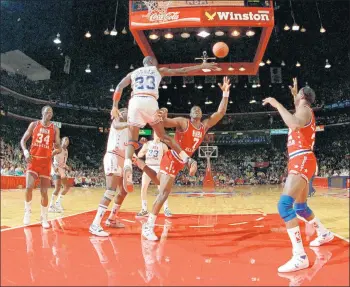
pixel 230 237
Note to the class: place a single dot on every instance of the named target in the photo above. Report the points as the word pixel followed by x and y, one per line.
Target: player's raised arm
pixel 219 114
pixel 126 81
pixel 57 144
pixel 179 122
pixel 143 151
pixel 301 117
pixel 24 140
pixel 183 71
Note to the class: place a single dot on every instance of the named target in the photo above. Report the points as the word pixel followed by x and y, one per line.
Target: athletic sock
pixel 114 211
pixel 101 210
pixel 144 205
pixel 52 199
pixel 295 238
pixel 166 205
pixel 151 219
pixel 127 163
pixel 60 197
pixel 28 206
pixel 320 229
pixel 43 211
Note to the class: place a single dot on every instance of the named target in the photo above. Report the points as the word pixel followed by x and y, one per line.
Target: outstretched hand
pixel 294 89
pixel 272 101
pixel 225 86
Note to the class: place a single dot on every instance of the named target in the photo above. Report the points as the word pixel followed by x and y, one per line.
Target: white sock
pixel 43 211
pixel 151 219
pixel 28 206
pixel 144 204
pixel 184 156
pixel 52 199
pixel 114 211
pixel 127 163
pixel 60 197
pixel 101 210
pixel 295 237
pixel 166 205
pixel 320 229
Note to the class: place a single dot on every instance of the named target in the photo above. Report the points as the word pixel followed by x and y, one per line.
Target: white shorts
pixel 146 179
pixel 113 164
pixel 58 172
pixel 142 110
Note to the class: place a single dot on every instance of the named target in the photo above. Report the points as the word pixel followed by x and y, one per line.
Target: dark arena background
pixel 225 227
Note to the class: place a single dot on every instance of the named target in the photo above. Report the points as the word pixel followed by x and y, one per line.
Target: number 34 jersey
pixel 145 81
pixel 42 140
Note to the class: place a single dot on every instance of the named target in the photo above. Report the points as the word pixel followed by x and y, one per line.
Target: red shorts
pixel 304 164
pixel 170 164
pixel 40 167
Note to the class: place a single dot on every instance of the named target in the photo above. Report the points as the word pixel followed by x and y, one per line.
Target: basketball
pixel 220 49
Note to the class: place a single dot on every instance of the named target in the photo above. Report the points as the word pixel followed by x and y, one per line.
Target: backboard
pixel 208 151
pixel 168 30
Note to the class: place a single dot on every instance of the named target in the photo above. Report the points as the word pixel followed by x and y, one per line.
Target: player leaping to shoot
pixel 143 108
pixel 301 167
pixel 189 134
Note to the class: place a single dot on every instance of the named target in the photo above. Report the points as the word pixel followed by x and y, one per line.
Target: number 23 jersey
pixel 145 81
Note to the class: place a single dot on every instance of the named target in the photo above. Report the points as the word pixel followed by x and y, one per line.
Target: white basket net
pixel 158 7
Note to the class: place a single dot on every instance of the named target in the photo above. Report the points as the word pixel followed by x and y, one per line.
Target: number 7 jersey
pixel 42 140
pixel 145 81
pixel 190 139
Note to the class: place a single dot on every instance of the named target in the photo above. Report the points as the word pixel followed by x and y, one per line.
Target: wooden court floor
pixel 331 206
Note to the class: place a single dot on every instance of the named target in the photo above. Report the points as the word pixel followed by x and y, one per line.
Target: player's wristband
pixel 226 94
pixel 26 153
pixel 116 96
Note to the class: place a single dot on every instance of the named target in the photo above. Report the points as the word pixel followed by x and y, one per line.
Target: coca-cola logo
pixel 163 17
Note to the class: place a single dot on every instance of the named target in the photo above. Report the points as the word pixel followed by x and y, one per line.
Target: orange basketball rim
pixel 151 15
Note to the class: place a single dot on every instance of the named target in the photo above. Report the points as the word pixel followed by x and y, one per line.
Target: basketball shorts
pixel 304 164
pixel 142 110
pixel 41 167
pixel 58 172
pixel 113 164
pixel 170 164
pixel 145 178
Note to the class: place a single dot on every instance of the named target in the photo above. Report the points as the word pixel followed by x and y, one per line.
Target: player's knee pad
pixel 135 144
pixel 109 194
pixel 285 208
pixel 302 210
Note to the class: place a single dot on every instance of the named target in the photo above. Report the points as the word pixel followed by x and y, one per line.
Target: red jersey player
pixel 189 134
pixel 301 167
pixel 44 135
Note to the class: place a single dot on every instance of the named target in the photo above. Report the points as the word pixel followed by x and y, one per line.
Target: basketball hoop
pixel 208 152
pixel 157 10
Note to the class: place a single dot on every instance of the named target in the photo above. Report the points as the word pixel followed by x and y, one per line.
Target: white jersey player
pixel 113 165
pixel 143 108
pixel 153 150
pixel 59 175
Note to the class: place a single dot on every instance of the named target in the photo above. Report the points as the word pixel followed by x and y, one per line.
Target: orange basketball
pixel 220 49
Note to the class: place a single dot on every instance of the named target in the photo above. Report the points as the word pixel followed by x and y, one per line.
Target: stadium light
pixel 199 87
pixel 295 27
pixel 106 32
pixel 328 65
pixel 283 63
pixel 203 34
pixel 88 70
pixel 87 34
pixel 302 29
pixel 132 67
pixel 168 102
pixel 231 102
pixel 153 35
pixel 185 35
pixel 124 31
pixel 286 27
pixel 298 64
pixel 114 32
pixel 212 85
pixel 184 85
pixel 111 89
pixel 231 68
pixel 322 29
pixel 116 66
pixel 250 33
pixel 164 86
pixel 268 61
pixel 262 64
pixel 189 102
pixel 235 33
pixel 175 87
pixel 169 35
pixel 252 101
pixel 219 33
pixel 242 69
pixel 57 40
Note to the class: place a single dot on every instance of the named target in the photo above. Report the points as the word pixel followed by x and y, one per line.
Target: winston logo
pixel 210 17
pixel 225 16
